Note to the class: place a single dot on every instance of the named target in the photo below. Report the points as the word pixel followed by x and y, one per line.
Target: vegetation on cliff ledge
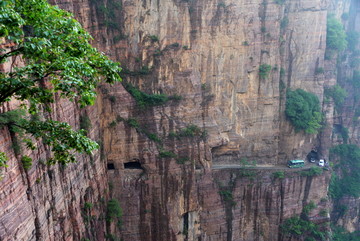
pixel 335 35
pixel 59 61
pixel 303 110
pixel 301 227
pixel 347 167
pixel 114 212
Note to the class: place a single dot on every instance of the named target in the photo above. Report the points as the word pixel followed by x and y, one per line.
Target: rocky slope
pixel 209 53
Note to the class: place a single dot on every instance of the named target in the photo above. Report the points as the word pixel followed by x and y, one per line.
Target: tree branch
pixel 10 92
pixel 11 53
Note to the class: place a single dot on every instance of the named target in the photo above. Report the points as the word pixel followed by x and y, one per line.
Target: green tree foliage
pixel 313 171
pixel 279 174
pixel 3 159
pixel 264 70
pixel 352 39
pixel 340 234
pixel 303 110
pixel 114 212
pixel 59 59
pixel 335 35
pixel 144 100
pixel 308 208
pixel 189 131
pixel 347 182
pixel 26 161
pixel 337 93
pixel 298 227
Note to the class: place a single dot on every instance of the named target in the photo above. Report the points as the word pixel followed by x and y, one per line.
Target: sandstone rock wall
pixel 47 203
pixel 208 52
pixel 227 204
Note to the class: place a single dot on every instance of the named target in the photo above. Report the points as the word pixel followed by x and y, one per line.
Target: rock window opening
pixel 110 166
pixel 132 165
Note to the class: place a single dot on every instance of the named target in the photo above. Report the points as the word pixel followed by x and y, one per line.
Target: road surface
pixel 263 167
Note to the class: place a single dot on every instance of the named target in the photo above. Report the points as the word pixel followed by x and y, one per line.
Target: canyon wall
pixel 208 53
pixel 212 59
pixel 47 202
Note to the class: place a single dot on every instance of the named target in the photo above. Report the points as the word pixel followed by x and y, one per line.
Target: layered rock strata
pixel 209 53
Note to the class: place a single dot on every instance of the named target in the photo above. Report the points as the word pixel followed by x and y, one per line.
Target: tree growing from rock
pixel 303 110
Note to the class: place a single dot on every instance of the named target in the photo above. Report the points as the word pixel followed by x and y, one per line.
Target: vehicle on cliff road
pixel 321 163
pixel 295 163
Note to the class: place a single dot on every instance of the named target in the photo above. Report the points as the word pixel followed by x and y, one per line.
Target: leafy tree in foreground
pixel 303 110
pixel 58 60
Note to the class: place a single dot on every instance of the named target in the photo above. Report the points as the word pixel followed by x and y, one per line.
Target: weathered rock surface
pixel 47 203
pixel 217 71
pixel 208 52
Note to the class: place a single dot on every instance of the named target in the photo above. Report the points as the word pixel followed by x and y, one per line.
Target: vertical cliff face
pixel 212 59
pixel 209 53
pixel 52 202
pixel 48 203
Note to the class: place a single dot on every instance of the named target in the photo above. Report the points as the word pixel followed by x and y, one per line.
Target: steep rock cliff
pixel 47 203
pixel 212 59
pixel 208 52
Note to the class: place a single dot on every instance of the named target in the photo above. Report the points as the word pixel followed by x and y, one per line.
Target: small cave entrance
pixel 134 164
pixel 312 156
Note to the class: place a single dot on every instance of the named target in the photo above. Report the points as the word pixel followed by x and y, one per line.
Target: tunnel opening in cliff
pixel 133 165
pixel 313 155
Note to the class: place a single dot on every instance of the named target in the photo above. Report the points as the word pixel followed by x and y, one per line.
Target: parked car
pixel 321 162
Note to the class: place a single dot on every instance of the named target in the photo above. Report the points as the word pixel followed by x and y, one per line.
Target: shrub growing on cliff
pixel 352 39
pixel 340 234
pixel 335 35
pixel 298 227
pixel 27 162
pixel 313 171
pixel 189 131
pixel 3 159
pixel 347 182
pixel 114 212
pixel 303 110
pixel 279 175
pixel 309 207
pixel 143 99
pixel 337 93
pixel 264 70
pixel 59 59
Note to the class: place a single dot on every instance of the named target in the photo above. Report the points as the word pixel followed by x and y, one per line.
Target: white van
pixel 321 162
